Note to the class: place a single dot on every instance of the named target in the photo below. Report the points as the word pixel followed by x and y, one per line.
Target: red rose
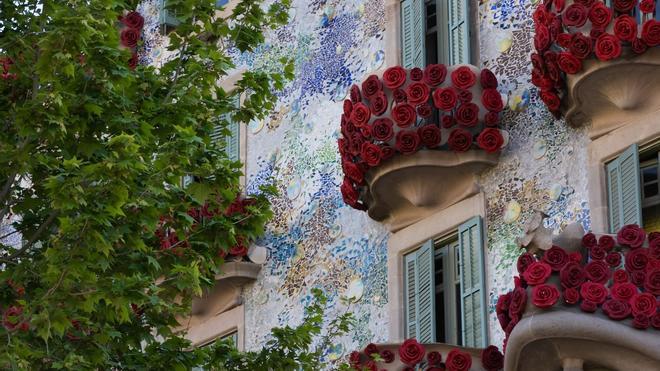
pixel 623 291
pixel 429 135
pixel 459 140
pixel 639 46
pixel 492 359
pixel 575 257
pixel 463 77
pixel 580 46
pixel 444 99
pixel 620 276
pixel 400 96
pixel 652 281
pixel 595 33
pixel 545 295
pixel 616 309
pixel 655 321
pixel 613 259
pixel 458 361
pixel 371 86
pixel 597 253
pixel 404 115
pixel 542 80
pixel 386 152
pixel 416 74
pixel 647 6
pixel 653 236
pixel 354 358
pixel 502 309
pixel 575 15
pixel 353 171
pixel 371 154
pixel 643 303
pixel 464 96
pixel 541 37
pixel 589 240
pixel 636 260
pixel 371 349
pixel 238 250
pixel 133 20
pixel 568 63
pixel 355 143
pixel 540 15
pixel 434 74
pixel 588 306
pixel 559 5
pixel 467 114
pixel 537 273
pixel 11 318
pixel 360 114
pixel 600 15
pixel 434 358
pixel 490 140
pixel 394 77
pixel 129 37
pixel 638 277
pixel 654 247
pixel 355 94
pixel 387 356
pixel 488 79
pixel 411 352
pixel 651 32
pixel 382 130
pixel 424 110
pixel 623 6
pixel 556 257
pixel 524 260
pixel 417 93
pixel 625 28
pixel 448 121
pixel 571 275
pixel 133 61
pixel 571 296
pixel 492 118
pixel 564 40
pixel 597 271
pixel 551 100
pixel 348 107
pixel 537 62
pixel 407 142
pixel 608 47
pixel 492 100
pixel 606 242
pixel 378 103
pixel 641 321
pixel 593 292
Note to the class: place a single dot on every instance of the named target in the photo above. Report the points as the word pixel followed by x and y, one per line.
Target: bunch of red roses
pixel 130 35
pixel 404 111
pixel 13 317
pixel 6 64
pixel 566 35
pixel 621 290
pixel 414 356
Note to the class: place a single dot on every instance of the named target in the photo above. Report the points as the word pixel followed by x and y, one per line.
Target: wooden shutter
pixel 412 33
pixel 473 300
pixel 420 294
pixel 624 194
pixel 233 140
pixel 459 31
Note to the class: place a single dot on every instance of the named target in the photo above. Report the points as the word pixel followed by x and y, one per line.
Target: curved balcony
pixel 599 66
pixel 414 141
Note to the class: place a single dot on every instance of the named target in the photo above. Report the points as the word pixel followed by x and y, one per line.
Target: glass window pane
pixel 650 190
pixel 651 218
pixel 440 329
pixel 650 173
pixel 459 325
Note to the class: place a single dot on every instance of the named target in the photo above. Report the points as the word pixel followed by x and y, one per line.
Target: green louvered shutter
pixel 473 300
pixel 233 140
pixel 412 33
pixel 167 17
pixel 459 32
pixel 624 194
pixel 420 294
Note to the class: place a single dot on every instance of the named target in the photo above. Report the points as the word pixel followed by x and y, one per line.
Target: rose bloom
pixel 597 253
pixel 492 118
pixel 537 273
pixel 608 47
pixel 387 356
pixel 636 260
pixel 600 15
pixel 569 63
pixel 655 321
pixel 371 154
pixel 492 359
pixel 652 281
pixel 641 321
pixel 416 74
pixel 575 15
pixel 545 295
pixel 463 77
pixel 643 303
pixel 613 259
pixel 597 271
pixel 434 358
pixel 448 121
pixel 238 250
pixel 571 296
pixel 353 171
pixel 589 240
pixel 492 100
pixel 556 257
pixel 588 306
pixel 133 61
pixel 625 28
pixel 382 129
pixel 639 46
pixel 444 99
pixel 564 40
pixel 593 292
pixel 129 37
pixel 386 152
pixel 524 260
pixel 638 277
pixel 616 309
pixel 355 94
pixel 400 96
pixel 580 46
pixel 647 6
pixel 623 6
pixel 424 110
pixel 488 79
pixel 541 38
pixel 434 74
pixel 490 140
pixel 467 114
pixel 620 276
pixel 407 142
pixel 537 62
pixel 575 257
pixel 458 361
pixel 354 358
pixel 651 32
pixel 360 114
pixel 571 275
pixel 654 247
pixel 417 93
pixel 430 135
pixel 551 100
pixel 378 103
pixel 606 242
pixel 541 80
pixel 464 96
pixel 623 291
pixel 459 140
pixel 348 107
pixel 394 77
pixel 404 114
pixel 371 86
pixel 133 20
pixel 370 349
pixel 411 352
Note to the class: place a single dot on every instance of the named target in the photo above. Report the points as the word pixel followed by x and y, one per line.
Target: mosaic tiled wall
pixel 316 241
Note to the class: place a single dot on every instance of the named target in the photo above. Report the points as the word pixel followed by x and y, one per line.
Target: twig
pixel 36 235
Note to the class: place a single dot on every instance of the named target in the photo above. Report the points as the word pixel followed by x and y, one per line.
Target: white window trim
pixel 410 238
pixel 606 148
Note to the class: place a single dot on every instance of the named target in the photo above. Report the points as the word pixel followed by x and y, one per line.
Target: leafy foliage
pixel 92 153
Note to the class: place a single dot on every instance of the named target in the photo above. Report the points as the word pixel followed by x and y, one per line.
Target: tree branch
pixel 35 236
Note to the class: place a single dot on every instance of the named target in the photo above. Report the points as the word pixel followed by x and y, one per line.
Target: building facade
pixel 591 163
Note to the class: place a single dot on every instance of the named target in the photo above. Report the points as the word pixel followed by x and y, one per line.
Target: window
pixel 633 191
pixel 233 140
pixel 233 337
pixel 444 298
pixel 435 31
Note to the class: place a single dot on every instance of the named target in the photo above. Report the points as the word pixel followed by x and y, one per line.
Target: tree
pixel 93 148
